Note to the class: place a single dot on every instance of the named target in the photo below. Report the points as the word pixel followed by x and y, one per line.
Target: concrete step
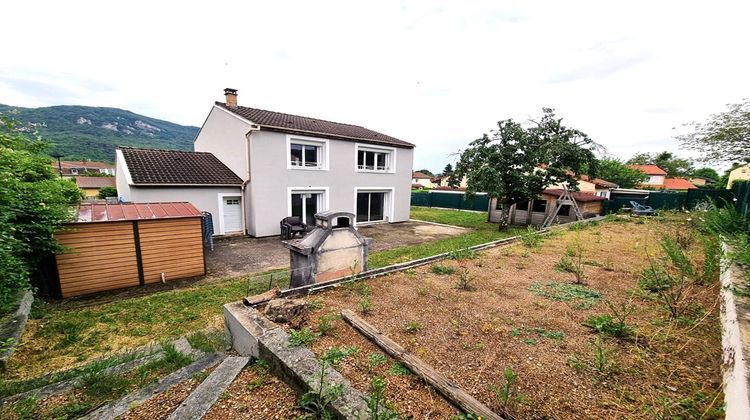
pixel 197 404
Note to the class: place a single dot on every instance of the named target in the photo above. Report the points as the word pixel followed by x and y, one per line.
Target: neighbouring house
pixel 70 168
pixel 601 187
pixel 422 179
pixel 289 165
pixel 154 175
pixel 444 181
pixel 657 179
pixel 535 211
pixel 702 181
pixel 741 173
pixel 90 185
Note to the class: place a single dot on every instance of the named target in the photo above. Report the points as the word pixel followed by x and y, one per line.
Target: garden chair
pixel 642 210
pixel 291 226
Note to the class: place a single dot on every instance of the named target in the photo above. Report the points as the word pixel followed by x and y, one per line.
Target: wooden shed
pixel 535 211
pixel 112 246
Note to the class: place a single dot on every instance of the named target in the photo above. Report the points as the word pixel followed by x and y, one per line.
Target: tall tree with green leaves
pixel 614 170
pixel 34 202
pixel 724 137
pixel 514 163
pixel 448 170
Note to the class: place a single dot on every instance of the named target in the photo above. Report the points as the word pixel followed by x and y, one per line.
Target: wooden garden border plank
pixel 447 388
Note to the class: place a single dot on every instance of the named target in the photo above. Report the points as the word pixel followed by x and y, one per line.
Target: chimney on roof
pixel 231 96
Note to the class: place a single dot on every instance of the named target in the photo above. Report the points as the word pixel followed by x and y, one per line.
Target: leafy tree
pixel 706 173
pixel 448 170
pixel 725 137
pixel 613 170
pixel 34 201
pixel 426 172
pixel 105 192
pixel 672 165
pixel 515 164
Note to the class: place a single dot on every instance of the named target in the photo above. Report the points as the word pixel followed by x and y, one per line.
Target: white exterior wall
pixel 122 178
pixel 203 198
pixel 654 180
pixel 268 192
pixel 223 135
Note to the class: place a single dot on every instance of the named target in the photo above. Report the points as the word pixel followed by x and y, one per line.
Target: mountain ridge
pixel 86 132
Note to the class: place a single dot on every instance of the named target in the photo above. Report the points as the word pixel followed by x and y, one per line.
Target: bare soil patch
pixel 511 319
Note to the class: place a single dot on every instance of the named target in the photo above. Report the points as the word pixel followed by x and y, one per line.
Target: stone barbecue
pixel 333 249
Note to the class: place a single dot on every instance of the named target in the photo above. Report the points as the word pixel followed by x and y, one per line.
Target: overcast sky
pixel 437 74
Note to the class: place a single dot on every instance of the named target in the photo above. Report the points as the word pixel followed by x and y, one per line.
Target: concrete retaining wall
pixel 735 341
pixel 254 335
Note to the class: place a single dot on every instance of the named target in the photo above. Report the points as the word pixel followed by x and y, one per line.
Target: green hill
pixel 84 132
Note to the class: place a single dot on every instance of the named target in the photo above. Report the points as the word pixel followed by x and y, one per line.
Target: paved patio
pixel 234 257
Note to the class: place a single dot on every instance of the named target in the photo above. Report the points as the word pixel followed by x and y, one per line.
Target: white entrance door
pixel 232 214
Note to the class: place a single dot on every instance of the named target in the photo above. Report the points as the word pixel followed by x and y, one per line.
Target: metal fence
pixel 449 200
pixel 673 200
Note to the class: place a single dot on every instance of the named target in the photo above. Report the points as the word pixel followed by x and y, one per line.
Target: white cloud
pixel 438 74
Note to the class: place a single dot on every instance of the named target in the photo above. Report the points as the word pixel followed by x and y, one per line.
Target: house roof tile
pixel 176 167
pixel 312 126
pixel 648 169
pixel 677 184
pixel 95 181
pixel 419 175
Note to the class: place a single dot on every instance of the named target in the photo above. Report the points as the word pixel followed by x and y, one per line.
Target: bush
pixel 441 269
pixel 532 238
pixel 105 192
pixel 301 337
pixel 34 202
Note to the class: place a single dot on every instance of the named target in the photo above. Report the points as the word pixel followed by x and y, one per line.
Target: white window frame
pixel 388 207
pixel 221 197
pixel 390 158
pixel 323 154
pixel 323 203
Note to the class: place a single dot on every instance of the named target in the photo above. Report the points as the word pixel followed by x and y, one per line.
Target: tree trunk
pixel 504 217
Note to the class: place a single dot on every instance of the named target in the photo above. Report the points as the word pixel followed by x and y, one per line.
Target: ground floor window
pixel 305 204
pixel 539 206
pixel 370 206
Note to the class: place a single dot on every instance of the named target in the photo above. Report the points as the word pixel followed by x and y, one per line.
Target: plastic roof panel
pixel 94 213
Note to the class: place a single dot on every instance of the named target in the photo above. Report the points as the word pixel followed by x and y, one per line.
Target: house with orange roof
pixel 658 179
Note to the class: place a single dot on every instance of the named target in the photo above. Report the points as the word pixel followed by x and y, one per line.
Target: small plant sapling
pixel 300 338
pixel 413 327
pixel 365 305
pixel 465 281
pixel 377 408
pixel 506 394
pixel 315 401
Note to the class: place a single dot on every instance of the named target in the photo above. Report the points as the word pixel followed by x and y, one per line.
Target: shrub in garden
pixel 365 305
pixel 532 238
pixel 441 269
pixel 301 337
pixel 34 202
pixel 614 325
pixel 573 261
pixel 325 324
pixel 506 393
pixel 413 327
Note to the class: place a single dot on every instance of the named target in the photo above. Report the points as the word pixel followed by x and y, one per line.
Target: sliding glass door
pixel 370 206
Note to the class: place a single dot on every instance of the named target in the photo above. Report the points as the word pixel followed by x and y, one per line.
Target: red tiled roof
pixel 313 126
pixel 176 167
pixel 677 184
pixel 419 175
pixel 648 169
pixel 94 213
pixel 583 197
pixel 599 182
pixel 95 181
pixel 65 164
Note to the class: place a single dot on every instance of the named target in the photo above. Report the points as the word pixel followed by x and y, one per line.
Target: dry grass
pixel 667 368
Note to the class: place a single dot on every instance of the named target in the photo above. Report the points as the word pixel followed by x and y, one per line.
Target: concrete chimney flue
pixel 231 96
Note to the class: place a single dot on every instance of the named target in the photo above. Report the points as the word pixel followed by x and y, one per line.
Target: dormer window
pixel 375 159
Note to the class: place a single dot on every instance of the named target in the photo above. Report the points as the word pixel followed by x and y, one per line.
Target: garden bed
pixel 525 315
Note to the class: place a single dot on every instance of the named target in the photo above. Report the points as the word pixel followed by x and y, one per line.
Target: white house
pixel 288 165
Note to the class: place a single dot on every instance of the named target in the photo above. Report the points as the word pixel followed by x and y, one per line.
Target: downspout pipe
pixel 253 127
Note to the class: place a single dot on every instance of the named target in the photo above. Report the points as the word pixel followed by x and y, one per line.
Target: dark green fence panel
pixel 719 197
pixel 449 201
pixel 422 199
pixel 666 200
pixel 741 190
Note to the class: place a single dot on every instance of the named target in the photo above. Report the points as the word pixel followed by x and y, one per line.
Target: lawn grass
pixel 483 232
pixel 64 337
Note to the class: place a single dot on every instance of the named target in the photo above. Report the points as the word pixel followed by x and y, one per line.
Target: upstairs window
pixel 375 159
pixel 306 153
